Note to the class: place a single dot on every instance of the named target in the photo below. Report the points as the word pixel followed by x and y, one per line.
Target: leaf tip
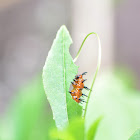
pixel 63 29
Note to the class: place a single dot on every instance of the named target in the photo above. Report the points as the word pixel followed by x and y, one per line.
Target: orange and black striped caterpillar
pixel 78 85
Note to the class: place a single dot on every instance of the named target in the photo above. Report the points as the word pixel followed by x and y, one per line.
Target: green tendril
pixel 97 68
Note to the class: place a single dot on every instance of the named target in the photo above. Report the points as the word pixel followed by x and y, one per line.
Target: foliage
pixel 26 118
pixel 112 112
pixel 118 104
pixel 58 73
pixel 136 135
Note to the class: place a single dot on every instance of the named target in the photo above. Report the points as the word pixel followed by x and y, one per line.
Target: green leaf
pixel 77 128
pixel 136 135
pixel 25 118
pixel 58 72
pixel 74 131
pixel 93 129
pixel 119 106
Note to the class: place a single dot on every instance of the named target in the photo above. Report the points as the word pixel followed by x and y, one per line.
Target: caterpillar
pixel 78 85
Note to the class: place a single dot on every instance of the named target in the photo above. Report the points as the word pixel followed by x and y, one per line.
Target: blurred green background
pixel 27 30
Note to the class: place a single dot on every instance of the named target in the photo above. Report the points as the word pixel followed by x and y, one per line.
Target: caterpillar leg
pixel 84 73
pixel 73 83
pixel 82 100
pixel 72 93
pixel 75 80
pixel 86 88
pixel 84 80
pixel 84 95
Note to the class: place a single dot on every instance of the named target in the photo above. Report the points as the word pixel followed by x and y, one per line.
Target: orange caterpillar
pixel 78 85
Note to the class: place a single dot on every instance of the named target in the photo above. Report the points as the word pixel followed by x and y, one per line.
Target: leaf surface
pixel 92 131
pixel 58 72
pixel 136 135
pixel 113 99
pixel 25 118
pixel 74 131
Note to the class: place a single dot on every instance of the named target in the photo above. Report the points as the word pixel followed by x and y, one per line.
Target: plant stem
pixel 97 68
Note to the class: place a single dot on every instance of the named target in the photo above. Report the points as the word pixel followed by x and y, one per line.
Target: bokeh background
pixel 27 30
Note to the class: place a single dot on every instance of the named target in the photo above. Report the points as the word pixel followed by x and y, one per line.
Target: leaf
pixel 25 117
pixel 77 128
pixel 119 106
pixel 136 135
pixel 92 131
pixel 58 72
pixel 74 131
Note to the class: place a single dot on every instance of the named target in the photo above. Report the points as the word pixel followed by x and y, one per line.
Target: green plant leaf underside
pixel 136 135
pixel 92 131
pixel 58 72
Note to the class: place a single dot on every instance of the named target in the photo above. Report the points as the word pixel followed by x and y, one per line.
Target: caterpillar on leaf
pixel 78 86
